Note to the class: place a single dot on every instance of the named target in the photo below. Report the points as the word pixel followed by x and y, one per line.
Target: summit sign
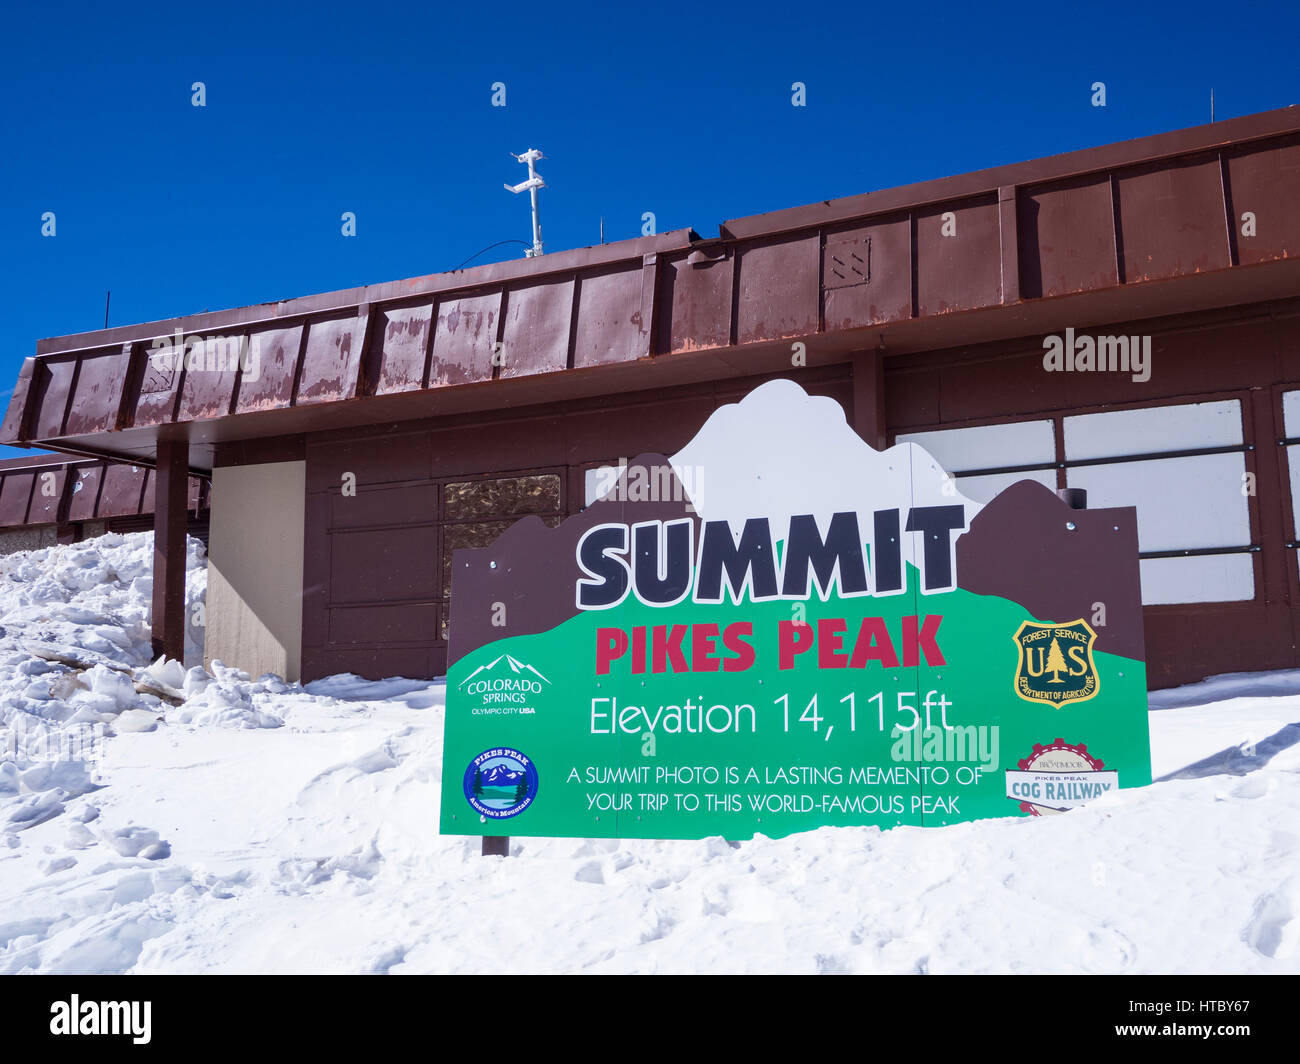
pixel 832 636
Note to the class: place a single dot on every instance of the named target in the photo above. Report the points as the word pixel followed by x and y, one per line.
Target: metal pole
pixel 496 845
pixel 537 225
pixel 533 183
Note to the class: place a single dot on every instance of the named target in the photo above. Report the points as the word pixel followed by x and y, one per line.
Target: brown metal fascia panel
pixel 1008 231
pixel 37 461
pixel 83 498
pixel 14 429
pixel 15 494
pixel 782 296
pixel 609 325
pixel 1255 285
pixel 334 303
pixel 1230 133
pixel 47 496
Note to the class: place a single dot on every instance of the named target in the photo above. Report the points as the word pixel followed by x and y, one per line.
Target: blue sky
pixel 679 109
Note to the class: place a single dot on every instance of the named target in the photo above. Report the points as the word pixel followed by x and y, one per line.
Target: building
pixel 49 499
pixel 379 428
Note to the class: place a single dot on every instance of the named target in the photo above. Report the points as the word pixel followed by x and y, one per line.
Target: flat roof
pixel 1142 228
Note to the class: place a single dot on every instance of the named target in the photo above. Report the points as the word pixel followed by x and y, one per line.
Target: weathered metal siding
pixel 38 491
pixel 1265 180
pixel 925 264
pixel 1067 237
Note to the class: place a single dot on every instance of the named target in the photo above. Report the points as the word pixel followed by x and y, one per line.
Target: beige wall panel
pixel 254 601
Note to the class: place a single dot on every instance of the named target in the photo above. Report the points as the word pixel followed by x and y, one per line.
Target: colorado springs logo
pixel 500 783
pixel 505 686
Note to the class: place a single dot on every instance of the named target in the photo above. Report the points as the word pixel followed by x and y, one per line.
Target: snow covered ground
pixel 259 826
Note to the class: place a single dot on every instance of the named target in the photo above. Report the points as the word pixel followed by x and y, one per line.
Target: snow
pixel 221 823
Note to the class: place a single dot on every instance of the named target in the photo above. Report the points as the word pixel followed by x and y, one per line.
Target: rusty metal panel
pixel 85 489
pixel 610 326
pixel 273 353
pixel 47 493
pixel 162 376
pixel 1172 219
pixel 332 360
pixel 846 261
pixel 958 257
pixel 211 366
pixel 53 387
pixel 98 392
pixel 1067 238
pixel 867 274
pixel 15 493
pixel 11 430
pixel 121 492
pixel 464 339
pixel 402 338
pixel 697 298
pixel 778 288
pixel 536 333
pixel 1266 183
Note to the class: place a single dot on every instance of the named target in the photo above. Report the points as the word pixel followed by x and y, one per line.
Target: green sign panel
pixel 778 629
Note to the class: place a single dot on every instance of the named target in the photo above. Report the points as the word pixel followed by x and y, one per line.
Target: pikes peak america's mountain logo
pixel 500 783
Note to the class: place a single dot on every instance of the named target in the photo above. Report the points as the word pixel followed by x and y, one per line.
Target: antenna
pixel 533 183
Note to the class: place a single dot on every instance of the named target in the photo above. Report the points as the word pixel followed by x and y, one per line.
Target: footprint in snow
pixel 1273 931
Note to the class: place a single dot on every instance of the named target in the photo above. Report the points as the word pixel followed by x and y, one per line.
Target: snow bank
pixel 224 823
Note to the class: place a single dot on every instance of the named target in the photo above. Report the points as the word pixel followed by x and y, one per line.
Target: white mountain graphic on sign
pixel 779 452
pixel 514 665
pixel 501 774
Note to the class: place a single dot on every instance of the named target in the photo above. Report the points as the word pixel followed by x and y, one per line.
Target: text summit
pixel 657 560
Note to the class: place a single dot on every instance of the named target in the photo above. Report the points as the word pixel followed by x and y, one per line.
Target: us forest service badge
pixel 1055 662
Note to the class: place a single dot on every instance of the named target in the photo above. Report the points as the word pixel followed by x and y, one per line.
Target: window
pixel 988 458
pixel 1182 466
pixel 475 512
pixel 1291 432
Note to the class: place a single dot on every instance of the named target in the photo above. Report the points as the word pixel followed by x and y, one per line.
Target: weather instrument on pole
pixel 533 183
